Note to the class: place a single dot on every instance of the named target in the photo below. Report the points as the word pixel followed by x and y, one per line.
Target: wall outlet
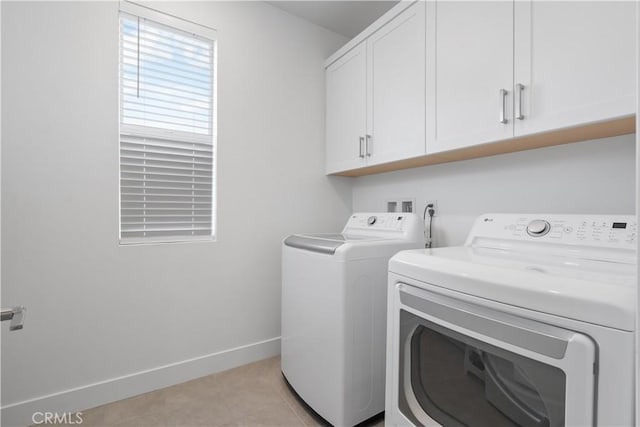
pixel 435 207
pixel 392 206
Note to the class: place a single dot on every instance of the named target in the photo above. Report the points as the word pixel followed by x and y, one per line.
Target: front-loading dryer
pixel 334 313
pixel 530 323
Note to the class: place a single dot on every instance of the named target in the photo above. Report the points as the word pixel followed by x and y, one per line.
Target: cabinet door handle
pixel 361 152
pixel 503 106
pixel 519 90
pixel 369 150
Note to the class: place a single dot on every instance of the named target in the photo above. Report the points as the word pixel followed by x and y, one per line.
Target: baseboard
pixel 100 393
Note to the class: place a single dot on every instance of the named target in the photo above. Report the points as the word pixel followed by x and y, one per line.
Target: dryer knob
pixel 372 220
pixel 538 227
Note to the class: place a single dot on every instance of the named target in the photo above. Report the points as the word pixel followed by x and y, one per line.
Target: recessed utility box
pixel 407 206
pixel 401 204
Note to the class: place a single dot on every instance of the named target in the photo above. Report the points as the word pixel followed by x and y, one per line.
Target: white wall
pixel 96 310
pixel 1 305
pixel 637 193
pixel 594 177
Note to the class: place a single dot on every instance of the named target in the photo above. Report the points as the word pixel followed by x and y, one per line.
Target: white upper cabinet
pixel 396 107
pixel 376 95
pixel 510 69
pixel 436 76
pixel 470 73
pixel 575 62
pixel 346 110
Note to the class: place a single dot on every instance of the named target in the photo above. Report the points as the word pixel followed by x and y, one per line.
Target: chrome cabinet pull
pixel 16 315
pixel 519 90
pixel 361 152
pixel 369 150
pixel 503 106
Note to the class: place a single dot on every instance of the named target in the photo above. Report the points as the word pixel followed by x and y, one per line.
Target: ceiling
pixel 347 18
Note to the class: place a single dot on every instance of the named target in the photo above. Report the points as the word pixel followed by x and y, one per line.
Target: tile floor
pixel 250 395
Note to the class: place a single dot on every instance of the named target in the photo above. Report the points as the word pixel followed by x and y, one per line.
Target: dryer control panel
pixel 606 231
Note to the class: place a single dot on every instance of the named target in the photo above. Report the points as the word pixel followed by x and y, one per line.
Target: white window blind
pixel 167 132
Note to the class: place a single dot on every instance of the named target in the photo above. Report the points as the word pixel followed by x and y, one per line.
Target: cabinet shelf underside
pixel 609 128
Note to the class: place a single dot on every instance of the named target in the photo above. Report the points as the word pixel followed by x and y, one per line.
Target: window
pixel 167 128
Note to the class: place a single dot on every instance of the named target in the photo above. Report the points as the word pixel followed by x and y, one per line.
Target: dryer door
pixel 466 365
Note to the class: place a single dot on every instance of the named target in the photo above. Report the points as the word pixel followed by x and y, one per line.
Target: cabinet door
pixel 576 62
pixel 346 111
pixel 472 49
pixel 396 107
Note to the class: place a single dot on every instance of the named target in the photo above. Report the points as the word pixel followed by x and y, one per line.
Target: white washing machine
pixel 334 289
pixel 529 323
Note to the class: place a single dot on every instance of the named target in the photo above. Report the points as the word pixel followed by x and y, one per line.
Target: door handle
pixel 519 90
pixel 16 315
pixel 503 106
pixel 369 150
pixel 361 152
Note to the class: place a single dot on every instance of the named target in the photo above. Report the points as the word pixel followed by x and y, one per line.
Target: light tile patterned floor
pixel 251 395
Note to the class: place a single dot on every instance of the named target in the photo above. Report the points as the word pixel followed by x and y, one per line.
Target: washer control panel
pixel 590 230
pixel 371 222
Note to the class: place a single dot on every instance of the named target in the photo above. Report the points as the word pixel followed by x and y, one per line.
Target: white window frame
pixel 200 31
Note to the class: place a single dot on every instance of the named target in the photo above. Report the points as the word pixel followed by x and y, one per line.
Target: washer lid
pixel 323 243
pixel 598 292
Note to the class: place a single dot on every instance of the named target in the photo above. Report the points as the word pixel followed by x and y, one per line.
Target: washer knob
pixel 372 220
pixel 538 227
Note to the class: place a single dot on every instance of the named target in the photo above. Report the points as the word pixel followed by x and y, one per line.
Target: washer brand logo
pixel 66 418
pixel 488 220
